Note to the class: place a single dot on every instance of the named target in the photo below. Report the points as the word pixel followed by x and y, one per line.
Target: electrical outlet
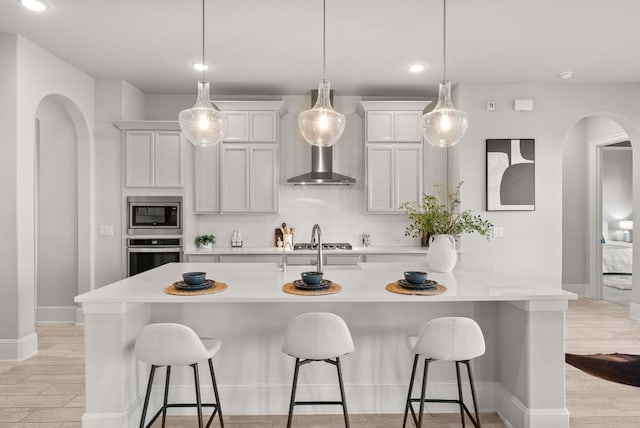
pixel 498 232
pixel 491 105
pixel 105 230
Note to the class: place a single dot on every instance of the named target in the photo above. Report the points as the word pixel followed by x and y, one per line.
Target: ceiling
pixel 272 47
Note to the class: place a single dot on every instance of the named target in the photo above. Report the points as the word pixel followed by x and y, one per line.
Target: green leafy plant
pixel 439 214
pixel 205 240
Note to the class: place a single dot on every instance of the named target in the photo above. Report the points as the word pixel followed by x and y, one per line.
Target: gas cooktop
pixel 325 246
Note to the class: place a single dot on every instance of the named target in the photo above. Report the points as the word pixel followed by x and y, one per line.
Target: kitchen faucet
pixel 314 231
pixel 283 265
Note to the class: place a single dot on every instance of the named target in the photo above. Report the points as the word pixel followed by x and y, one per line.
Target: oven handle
pixel 154 249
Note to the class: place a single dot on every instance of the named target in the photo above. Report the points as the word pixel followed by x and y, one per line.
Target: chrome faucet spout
pixel 316 231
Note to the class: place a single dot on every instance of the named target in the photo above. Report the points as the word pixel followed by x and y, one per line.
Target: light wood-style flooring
pixel 47 390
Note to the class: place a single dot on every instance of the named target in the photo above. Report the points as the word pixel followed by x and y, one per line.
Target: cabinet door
pixel 263 179
pixel 235 178
pixel 237 126
pixel 139 159
pixel 408 125
pixel 380 178
pixel 408 167
pixel 380 126
pixel 206 169
pixel 263 126
pixel 168 159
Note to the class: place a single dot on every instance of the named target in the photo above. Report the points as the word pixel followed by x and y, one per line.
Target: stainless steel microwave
pixel 154 215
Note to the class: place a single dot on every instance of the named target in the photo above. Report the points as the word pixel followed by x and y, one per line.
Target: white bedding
pixel 617 257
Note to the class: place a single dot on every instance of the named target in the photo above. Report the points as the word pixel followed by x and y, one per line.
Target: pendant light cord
pixel 203 63
pixel 324 39
pixel 444 41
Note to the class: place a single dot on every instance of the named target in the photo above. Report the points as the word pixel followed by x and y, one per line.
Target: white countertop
pixel 364 282
pixel 356 251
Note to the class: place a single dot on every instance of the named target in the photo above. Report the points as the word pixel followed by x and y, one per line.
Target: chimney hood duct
pixel 321 169
pixel 321 164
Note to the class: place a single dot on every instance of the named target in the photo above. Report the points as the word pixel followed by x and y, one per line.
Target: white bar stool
pixel 168 344
pixel 317 336
pixel 449 339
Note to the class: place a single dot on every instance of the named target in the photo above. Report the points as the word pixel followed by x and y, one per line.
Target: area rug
pixel 619 368
pixel 621 282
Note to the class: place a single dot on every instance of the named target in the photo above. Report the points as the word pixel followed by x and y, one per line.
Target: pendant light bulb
pixel 203 124
pixel 322 125
pixel 445 125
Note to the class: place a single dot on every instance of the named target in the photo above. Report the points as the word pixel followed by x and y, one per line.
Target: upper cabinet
pixel 252 126
pixel 394 159
pixel 153 154
pixel 387 126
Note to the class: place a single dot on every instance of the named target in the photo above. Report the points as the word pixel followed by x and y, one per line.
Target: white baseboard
pixel 515 415
pixel 579 289
pixel 362 399
pixel 55 314
pixel 19 349
pixel 634 311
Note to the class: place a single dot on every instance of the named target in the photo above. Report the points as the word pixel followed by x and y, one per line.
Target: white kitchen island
pixel 521 376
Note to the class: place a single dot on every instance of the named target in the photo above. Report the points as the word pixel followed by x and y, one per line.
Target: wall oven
pixel 154 215
pixel 145 254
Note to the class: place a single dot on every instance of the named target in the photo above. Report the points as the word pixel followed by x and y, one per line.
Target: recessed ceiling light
pixel 566 75
pixel 417 68
pixel 200 66
pixel 35 5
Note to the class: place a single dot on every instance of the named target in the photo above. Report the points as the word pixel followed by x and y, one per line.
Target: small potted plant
pixel 205 241
pixel 437 219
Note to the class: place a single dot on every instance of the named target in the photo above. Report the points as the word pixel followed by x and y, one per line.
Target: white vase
pixel 206 246
pixel 442 255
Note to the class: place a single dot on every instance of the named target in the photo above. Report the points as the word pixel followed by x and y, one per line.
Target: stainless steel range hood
pixel 321 163
pixel 321 170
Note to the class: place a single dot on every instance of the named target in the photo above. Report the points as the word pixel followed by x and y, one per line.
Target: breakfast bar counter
pixel 521 375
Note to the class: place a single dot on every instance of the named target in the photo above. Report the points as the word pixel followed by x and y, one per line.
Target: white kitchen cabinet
pixel 396 126
pixel 251 126
pixel 153 158
pixel 249 178
pixel 394 176
pixel 207 181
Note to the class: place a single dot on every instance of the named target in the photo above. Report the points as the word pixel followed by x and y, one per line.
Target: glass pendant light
pixel 203 124
pixel 445 125
pixel 322 125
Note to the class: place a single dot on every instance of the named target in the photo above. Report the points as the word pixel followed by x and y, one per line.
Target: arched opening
pixel 597 206
pixel 62 209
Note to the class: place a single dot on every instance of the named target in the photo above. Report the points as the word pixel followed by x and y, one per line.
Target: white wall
pixel 532 243
pixel 617 189
pixel 575 250
pixel 57 247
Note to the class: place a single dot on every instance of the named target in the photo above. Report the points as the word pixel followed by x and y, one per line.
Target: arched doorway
pixel 62 209
pixel 597 182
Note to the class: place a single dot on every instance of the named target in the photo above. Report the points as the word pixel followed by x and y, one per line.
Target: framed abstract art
pixel 511 175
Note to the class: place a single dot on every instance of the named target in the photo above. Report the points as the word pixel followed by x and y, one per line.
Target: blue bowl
pixel 415 277
pixel 311 278
pixel 194 278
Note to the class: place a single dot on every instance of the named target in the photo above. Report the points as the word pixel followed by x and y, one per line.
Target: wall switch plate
pixel 498 232
pixel 523 104
pixel 491 105
pixel 105 230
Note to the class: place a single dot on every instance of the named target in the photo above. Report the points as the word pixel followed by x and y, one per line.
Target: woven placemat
pixel 394 287
pixel 217 287
pixel 292 289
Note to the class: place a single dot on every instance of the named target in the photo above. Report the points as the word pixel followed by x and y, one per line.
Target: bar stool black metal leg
pixel 293 392
pixel 217 397
pixel 413 375
pixel 460 393
pixel 196 378
pixel 473 394
pixel 166 395
pixel 424 390
pixel 344 400
pixel 146 397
